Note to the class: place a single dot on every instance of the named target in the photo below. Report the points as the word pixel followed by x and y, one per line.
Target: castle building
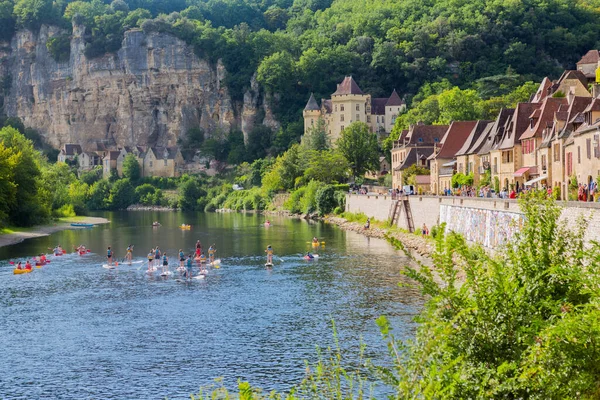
pixel 349 104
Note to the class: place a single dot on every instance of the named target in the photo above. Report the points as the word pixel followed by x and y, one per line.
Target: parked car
pixel 237 187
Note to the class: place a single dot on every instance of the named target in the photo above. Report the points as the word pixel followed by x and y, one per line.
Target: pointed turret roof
pixel 348 86
pixel 394 100
pixel 312 104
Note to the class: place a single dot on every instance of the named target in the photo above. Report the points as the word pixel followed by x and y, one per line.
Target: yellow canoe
pixel 17 271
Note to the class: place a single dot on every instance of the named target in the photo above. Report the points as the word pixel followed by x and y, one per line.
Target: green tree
pixel 131 168
pixel 32 13
pixel 190 193
pixel 409 173
pixel 8 188
pixel 99 195
pixel 316 137
pixel 276 72
pixel 326 166
pixel 122 195
pixel 359 147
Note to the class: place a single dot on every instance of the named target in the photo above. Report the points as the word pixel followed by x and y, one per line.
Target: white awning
pixel 449 164
pixel 538 179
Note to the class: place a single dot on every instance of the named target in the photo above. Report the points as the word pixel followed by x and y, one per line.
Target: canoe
pixel 185 227
pixel 17 271
pixel 81 224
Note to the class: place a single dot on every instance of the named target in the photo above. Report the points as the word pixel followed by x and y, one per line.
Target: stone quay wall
pixel 489 222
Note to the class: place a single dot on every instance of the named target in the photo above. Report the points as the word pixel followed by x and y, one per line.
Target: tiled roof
pixel 593 106
pixel 473 142
pixel 378 106
pixel 497 131
pixel 72 149
pixel 543 91
pixel 112 155
pixel 591 57
pixel 411 157
pixel 425 135
pixel 159 152
pixel 312 104
pixel 394 100
pixel 454 138
pixel 573 74
pixel 517 124
pixel 546 114
pixel 577 106
pixel 348 86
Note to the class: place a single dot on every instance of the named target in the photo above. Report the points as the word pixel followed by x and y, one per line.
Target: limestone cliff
pixel 149 93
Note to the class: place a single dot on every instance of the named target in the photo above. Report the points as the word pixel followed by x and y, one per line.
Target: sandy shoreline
pixel 45 230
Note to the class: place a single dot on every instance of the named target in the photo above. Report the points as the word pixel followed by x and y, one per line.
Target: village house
pixel 109 162
pixel 467 157
pixel 384 169
pixel 414 148
pixel 349 104
pixel 422 184
pixel 489 154
pixel 442 161
pixel 69 152
pixel 589 65
pixel 534 164
pixel 89 160
pixel 163 162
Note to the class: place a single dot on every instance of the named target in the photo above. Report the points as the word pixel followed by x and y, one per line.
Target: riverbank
pixel 416 244
pixel 20 234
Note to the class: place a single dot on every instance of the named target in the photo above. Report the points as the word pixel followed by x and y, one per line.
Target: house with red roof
pixel 350 104
pixel 442 162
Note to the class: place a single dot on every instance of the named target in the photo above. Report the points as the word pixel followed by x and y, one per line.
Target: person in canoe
pixel 181 258
pixel 269 252
pixel 43 259
pixel 109 255
pixel 165 263
pixel 156 223
pixel 27 264
pixel 57 251
pixel 19 266
pixel 129 254
pixel 309 256
pixel 268 223
pixel 81 249
pixel 150 259
pixel 211 253
pixel 315 240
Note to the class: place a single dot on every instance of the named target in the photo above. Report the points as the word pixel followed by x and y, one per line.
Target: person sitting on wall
pixel 368 224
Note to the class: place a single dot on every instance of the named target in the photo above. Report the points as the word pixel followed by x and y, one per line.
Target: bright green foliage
pixel 56 179
pixel 359 147
pixel 32 13
pixel 91 177
pixel 325 199
pixel 316 137
pixel 131 168
pixel 28 209
pixel 326 166
pixel 190 193
pixel 148 195
pixel 523 324
pixel 99 193
pixel 460 180
pixel 8 188
pixel 409 173
pixel 122 195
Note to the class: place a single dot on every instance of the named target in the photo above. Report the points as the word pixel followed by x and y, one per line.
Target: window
pixel 342 127
pixel 556 152
pixel 436 140
pixel 569 164
pixel 165 163
pixel 378 119
pixel 460 167
pixel 394 118
pixel 368 110
pixel 357 117
pixel 578 155
pixel 342 117
pixel 358 107
pixel 544 163
pixel 596 146
pixel 150 164
pixel 368 118
pixel 341 107
pixel 588 148
pixel 420 140
pixel 382 119
pixel 336 107
pixel 312 122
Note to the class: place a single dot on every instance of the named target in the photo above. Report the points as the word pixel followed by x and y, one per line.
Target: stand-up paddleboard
pixel 198 277
pixel 268 264
pixel 108 266
pixel 167 273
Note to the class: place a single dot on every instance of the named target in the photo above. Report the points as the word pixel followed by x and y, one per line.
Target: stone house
pixel 589 64
pixel 467 157
pixel 349 104
pixel 422 184
pixel 572 82
pixel 89 160
pixel 489 153
pixel 384 169
pixel 583 148
pixel 109 162
pixel 163 162
pixel 442 161
pixel 69 152
pixel 414 147
pixel 534 163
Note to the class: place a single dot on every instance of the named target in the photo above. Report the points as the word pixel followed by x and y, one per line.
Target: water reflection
pixel 91 332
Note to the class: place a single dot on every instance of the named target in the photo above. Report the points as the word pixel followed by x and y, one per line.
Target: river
pixel 73 329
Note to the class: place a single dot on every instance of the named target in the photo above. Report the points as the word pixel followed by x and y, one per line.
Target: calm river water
pixel 73 329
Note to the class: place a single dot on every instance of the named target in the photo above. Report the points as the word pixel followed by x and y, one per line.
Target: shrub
pixel 338 210
pixel 65 211
pixel 325 199
pixel 292 204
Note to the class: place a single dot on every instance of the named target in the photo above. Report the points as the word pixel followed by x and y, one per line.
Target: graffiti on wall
pixel 490 228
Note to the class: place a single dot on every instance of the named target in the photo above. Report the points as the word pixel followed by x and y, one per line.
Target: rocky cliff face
pixel 149 93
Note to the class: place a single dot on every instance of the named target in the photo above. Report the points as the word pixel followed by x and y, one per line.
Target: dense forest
pixel 302 46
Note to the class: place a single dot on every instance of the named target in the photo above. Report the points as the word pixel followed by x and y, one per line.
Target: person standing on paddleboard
pixel 181 258
pixel 269 252
pixel 129 254
pixel 211 253
pixel 150 259
pixel 188 273
pixel 157 256
pixel 109 255
pixel 198 248
pixel 165 263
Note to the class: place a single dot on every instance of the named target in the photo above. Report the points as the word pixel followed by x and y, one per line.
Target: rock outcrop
pixel 148 93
